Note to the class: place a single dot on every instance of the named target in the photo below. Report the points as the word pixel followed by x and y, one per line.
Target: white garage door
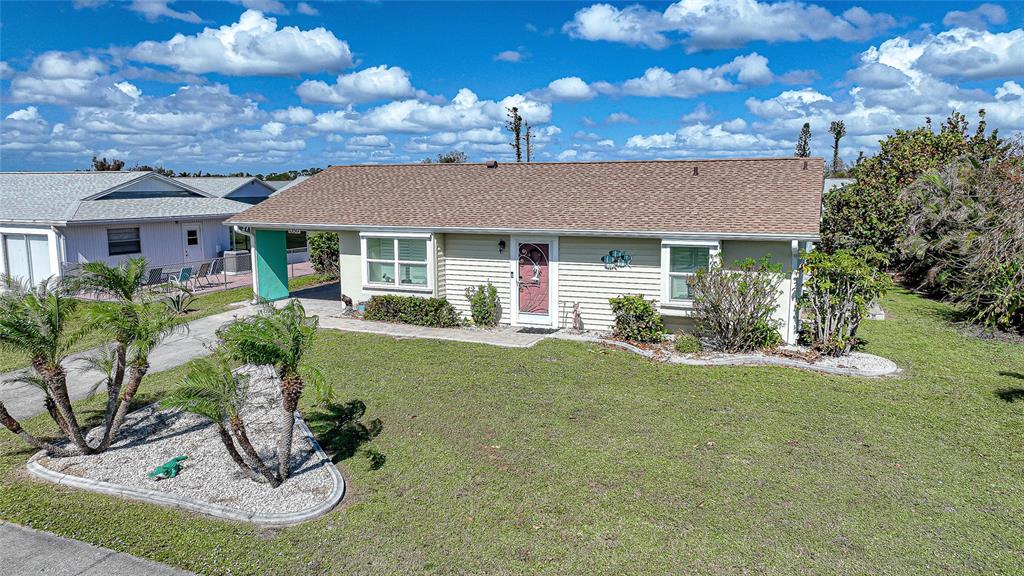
pixel 27 257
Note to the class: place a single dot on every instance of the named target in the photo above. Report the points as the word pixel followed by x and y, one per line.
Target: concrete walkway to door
pixel 325 301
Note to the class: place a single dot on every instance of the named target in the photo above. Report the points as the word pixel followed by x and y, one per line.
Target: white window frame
pixel 714 254
pixel 396 285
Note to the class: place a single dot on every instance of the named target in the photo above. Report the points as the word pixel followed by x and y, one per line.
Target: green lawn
pixel 573 459
pixel 204 305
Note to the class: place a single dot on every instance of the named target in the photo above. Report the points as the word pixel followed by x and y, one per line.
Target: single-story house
pixel 50 220
pixel 248 189
pixel 556 239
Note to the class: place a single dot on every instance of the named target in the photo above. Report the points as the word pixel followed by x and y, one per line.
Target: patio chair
pixel 155 278
pixel 202 274
pixel 183 278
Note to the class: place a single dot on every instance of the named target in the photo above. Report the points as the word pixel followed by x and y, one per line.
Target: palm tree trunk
pixel 51 409
pixel 238 425
pixel 14 426
pixel 135 375
pixel 56 382
pixel 291 391
pixel 229 445
pixel 114 384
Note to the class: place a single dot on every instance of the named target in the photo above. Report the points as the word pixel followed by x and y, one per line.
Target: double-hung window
pixel 680 261
pixel 401 262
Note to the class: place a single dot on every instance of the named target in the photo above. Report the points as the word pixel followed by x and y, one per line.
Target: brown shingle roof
pixel 772 196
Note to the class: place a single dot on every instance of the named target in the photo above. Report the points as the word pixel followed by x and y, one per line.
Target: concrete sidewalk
pixel 26 552
pixel 23 400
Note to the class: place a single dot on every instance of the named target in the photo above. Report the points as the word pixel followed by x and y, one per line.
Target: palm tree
pixel 213 390
pixel 135 322
pixel 280 337
pixel 34 322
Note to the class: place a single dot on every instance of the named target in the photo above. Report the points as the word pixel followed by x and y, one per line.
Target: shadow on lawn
pixel 339 430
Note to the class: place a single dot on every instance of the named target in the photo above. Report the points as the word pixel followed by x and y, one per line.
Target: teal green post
pixel 271 265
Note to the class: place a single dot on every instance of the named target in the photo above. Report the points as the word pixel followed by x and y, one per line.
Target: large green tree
pixel 871 212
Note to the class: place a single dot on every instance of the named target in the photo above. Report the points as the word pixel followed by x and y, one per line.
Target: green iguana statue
pixel 168 469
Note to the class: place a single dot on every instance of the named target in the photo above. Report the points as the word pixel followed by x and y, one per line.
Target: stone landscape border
pixel 887 367
pixel 215 510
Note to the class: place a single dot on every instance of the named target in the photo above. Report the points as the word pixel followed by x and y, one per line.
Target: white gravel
pixel 151 437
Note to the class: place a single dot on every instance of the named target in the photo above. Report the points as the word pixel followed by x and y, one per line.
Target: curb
pixel 744 359
pixel 215 510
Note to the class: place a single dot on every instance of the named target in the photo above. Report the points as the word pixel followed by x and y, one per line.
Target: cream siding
pixel 440 282
pixel 584 280
pixel 468 260
pixel 780 253
pixel 350 266
pixel 472 260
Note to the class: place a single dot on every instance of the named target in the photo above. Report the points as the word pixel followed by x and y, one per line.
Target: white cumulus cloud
pixel 978 19
pixel 463 112
pixel 253 46
pixel 715 24
pixel 153 10
pixel 368 85
pixel 571 88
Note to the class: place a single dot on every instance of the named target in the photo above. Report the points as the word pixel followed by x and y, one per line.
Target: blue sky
pixel 263 85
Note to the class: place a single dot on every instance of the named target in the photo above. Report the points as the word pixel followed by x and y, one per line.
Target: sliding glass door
pixel 27 257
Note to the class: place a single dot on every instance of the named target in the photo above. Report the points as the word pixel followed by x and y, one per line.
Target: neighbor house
pixel 248 189
pixel 50 220
pixel 557 240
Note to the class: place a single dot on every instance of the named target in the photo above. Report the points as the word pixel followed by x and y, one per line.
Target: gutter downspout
pixel 252 261
pixel 61 247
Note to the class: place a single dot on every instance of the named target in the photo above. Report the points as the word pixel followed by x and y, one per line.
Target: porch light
pixel 501 246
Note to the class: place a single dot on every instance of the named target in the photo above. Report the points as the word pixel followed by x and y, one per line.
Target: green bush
pixel 734 308
pixel 483 304
pixel 636 319
pixel 434 312
pixel 965 237
pixel 324 253
pixel 688 344
pixel 837 296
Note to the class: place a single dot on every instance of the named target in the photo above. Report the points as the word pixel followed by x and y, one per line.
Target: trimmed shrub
pixel 434 312
pixel 837 296
pixel 734 308
pixel 324 253
pixel 636 319
pixel 688 344
pixel 483 304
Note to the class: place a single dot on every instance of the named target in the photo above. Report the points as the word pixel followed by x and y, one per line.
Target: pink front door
pixel 534 278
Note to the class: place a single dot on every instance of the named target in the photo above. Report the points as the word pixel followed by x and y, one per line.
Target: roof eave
pixel 812 237
pixel 154 218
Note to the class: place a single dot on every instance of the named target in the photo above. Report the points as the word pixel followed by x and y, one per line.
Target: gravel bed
pixel 852 364
pixel 151 437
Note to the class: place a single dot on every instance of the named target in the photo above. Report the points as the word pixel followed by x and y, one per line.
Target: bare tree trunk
pixel 238 425
pixel 14 426
pixel 135 375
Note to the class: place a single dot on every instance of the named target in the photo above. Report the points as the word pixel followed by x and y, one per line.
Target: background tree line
pixel 944 209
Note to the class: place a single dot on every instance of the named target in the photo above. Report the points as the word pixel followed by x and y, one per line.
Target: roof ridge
pixel 105 172
pixel 574 162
